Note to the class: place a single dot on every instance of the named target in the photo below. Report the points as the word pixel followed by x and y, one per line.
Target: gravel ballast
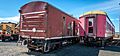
pixel 11 49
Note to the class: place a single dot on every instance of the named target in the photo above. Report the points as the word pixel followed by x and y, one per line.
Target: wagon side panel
pixel 101 24
pixel 55 22
pixel 82 26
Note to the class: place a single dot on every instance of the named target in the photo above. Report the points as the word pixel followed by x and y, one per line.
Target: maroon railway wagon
pixel 98 28
pixel 47 27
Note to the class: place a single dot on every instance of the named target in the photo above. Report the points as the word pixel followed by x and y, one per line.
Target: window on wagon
pixel 90 29
pixel 90 21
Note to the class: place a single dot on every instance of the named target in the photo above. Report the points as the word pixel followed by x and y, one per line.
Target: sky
pixel 9 8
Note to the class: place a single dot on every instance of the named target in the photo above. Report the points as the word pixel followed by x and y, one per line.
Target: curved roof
pixel 33 6
pixel 94 12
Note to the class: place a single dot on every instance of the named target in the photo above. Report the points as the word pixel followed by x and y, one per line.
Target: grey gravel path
pixel 10 49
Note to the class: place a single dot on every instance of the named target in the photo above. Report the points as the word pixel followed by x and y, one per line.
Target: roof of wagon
pixel 94 12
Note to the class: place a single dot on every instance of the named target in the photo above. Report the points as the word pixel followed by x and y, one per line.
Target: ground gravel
pixel 11 49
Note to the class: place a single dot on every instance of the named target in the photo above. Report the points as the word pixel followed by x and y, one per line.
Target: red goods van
pixel 98 27
pixel 47 27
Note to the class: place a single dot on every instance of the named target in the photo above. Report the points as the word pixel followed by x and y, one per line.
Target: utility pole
pixel 119 24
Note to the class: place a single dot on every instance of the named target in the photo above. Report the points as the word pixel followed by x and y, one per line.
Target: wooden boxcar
pixel 98 27
pixel 46 27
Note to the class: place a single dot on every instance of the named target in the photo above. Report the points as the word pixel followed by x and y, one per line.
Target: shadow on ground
pixel 74 50
pixel 112 48
pixel 77 50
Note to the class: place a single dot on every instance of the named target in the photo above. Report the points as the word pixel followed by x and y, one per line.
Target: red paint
pixel 53 21
pixel 99 25
pixel 82 24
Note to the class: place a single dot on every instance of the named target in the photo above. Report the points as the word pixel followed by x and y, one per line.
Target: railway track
pixel 116 42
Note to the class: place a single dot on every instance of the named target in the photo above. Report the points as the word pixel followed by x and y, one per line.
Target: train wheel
pixel 102 43
pixel 3 40
pixel 42 49
pixel 53 46
pixel 73 41
pixel 24 42
pixel 58 46
pixel 30 50
pixel 99 43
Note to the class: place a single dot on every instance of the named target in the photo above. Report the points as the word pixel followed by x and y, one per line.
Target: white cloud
pixel 110 6
pixel 14 19
pixel 107 6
